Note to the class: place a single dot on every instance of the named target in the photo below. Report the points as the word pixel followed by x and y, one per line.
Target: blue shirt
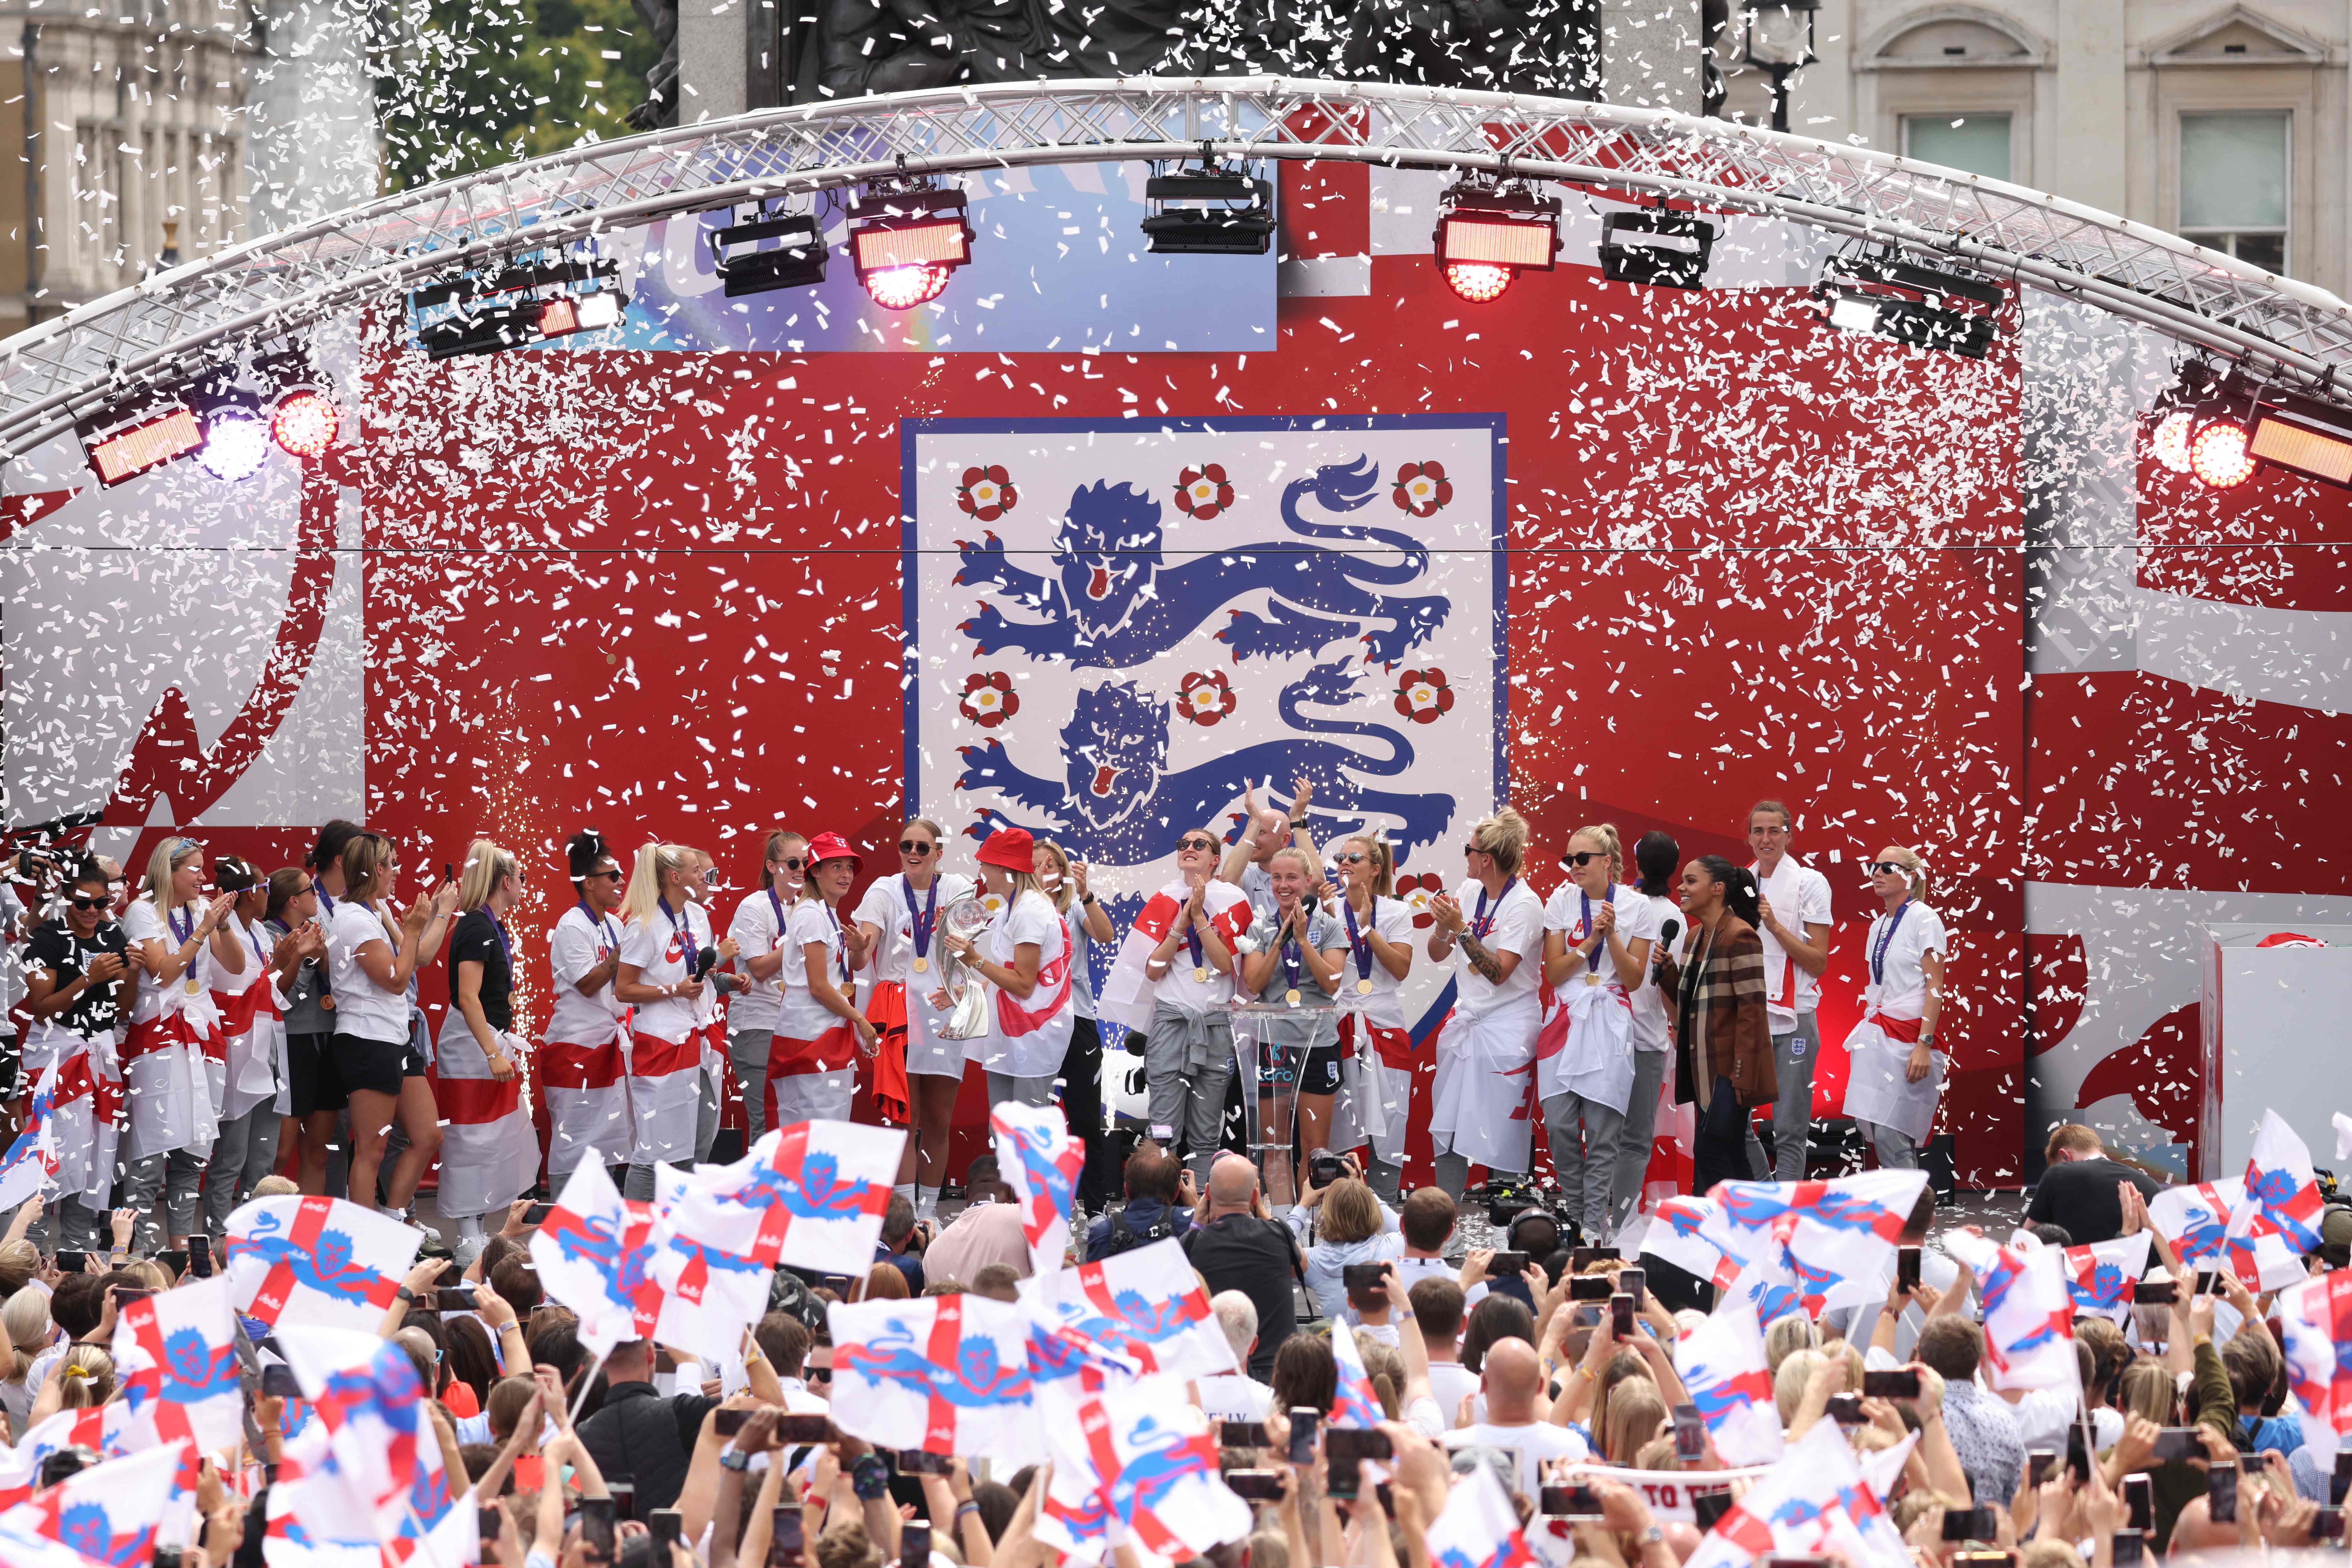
pixel 1142 1214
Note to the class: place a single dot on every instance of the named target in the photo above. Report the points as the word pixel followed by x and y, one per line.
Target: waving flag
pixel 1722 1364
pixel 949 1374
pixel 811 1195
pixel 22 1549
pixel 104 1430
pixel 1806 1503
pixel 2282 1187
pixel 32 1160
pixel 2104 1276
pixel 1769 1289
pixel 592 1253
pixel 1135 1463
pixel 1353 1403
pixel 1838 1237
pixel 175 1362
pixel 2203 1225
pixel 1037 1156
pixel 1681 1231
pixel 371 1448
pixel 707 1298
pixel 298 1260
pixel 1145 1307
pixel 1478 1528
pixel 1126 992
pixel 108 1512
pixel 2315 1328
pixel 2029 1312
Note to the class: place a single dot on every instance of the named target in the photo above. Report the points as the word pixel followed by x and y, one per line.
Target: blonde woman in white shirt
pixel 661 979
pixel 1894 1071
pixel 1598 935
pixel 758 931
pixel 1378 1055
pixel 1486 1047
pixel 898 918
pixel 180 942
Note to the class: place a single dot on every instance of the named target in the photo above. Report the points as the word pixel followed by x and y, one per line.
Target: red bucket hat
pixel 1010 848
pixel 833 846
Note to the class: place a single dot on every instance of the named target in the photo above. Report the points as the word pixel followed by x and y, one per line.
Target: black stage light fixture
pixel 2202 426
pixel 906 236
pixel 1655 245
pixel 1904 303
pixel 123 448
pixel 1209 211
pixel 516 305
pixel 1487 235
pixel 768 251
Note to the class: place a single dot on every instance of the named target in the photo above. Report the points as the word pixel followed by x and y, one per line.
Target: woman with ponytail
pixel 184 943
pixel 820 1033
pixel 1657 857
pixel 490 1155
pixel 1027 969
pixel 663 968
pixel 1723 1046
pixel 1597 937
pixel 1894 1070
pixel 1485 1044
pixel 580 1067
pixel 900 920
pixel 253 1017
pixel 1375 1050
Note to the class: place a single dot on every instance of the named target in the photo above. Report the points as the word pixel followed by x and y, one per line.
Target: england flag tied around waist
pixel 2315 1328
pixel 591 1253
pixel 32 1160
pixel 300 1260
pixel 2281 1192
pixel 811 1195
pixel 1037 1156
pixel 175 1362
pixel 108 1513
pixel 2201 1222
pixel 1145 1307
pixel 1136 1464
pixel 1722 1365
pixel 371 1455
pixel 1478 1528
pixel 2028 1312
pixel 949 1374
pixel 1815 1500
pixel 2104 1276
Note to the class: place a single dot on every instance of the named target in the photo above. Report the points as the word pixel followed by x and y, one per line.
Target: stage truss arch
pixel 179 324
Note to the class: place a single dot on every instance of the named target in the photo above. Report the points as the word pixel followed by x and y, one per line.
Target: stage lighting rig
pixel 2311 438
pixel 226 419
pixel 2218 426
pixel 1212 210
pixel 1905 303
pixel 906 236
pixel 121 448
pixel 1656 246
pixel 749 263
pixel 1488 234
pixel 517 304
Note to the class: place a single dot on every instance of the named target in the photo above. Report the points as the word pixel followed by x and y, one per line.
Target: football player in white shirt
pixel 1896 1071
pixel 1485 1044
pixel 1795 906
pixel 758 929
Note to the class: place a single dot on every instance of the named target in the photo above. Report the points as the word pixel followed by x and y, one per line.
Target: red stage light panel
pixel 938 243
pixel 1478 239
pixel 126 453
pixel 2322 454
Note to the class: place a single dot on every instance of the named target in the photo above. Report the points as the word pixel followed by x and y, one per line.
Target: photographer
pixel 1355 1227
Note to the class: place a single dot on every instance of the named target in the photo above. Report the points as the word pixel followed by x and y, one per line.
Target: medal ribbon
pixel 925 917
pixel 603 932
pixel 173 918
pixel 1593 959
pixel 1290 961
pixel 840 954
pixel 684 931
pixel 1362 946
pixel 1482 922
pixel 1193 940
pixel 1886 939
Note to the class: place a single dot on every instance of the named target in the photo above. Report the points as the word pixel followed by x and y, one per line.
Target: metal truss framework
pixel 184 321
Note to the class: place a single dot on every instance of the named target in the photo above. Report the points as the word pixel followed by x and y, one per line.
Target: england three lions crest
pixel 1115 631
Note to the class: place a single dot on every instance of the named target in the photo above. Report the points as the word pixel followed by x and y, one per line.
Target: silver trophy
pixel 967 993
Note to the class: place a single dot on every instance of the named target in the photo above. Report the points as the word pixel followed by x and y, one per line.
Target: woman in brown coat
pixel 1723 1042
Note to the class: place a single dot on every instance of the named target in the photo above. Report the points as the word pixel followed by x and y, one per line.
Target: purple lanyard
pixel 1886 939
pixel 1290 961
pixel 604 934
pixel 839 952
pixel 506 948
pixel 1593 959
pixel 685 933
pixel 1362 946
pixel 1481 923
pixel 925 917
pixel 172 918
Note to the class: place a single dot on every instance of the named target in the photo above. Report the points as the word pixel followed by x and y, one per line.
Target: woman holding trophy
pixel 1027 969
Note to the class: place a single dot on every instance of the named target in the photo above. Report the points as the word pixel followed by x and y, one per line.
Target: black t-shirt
pixel 2079 1196
pixel 477 938
pixel 54 947
pixel 1259 1257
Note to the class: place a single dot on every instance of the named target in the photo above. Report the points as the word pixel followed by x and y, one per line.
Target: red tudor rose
pixel 1421 488
pixel 1416 890
pixel 1203 493
pixel 989 698
pixel 1205 697
pixel 986 493
pixel 1421 695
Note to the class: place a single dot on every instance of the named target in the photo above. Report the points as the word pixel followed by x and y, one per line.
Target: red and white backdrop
pixel 664 592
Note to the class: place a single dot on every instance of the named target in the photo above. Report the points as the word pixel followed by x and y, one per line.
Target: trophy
pixel 967 993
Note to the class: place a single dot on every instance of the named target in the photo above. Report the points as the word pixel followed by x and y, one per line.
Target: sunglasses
pixel 1357 858
pixel 710 878
pixel 1889 868
pixel 1196 843
pixel 1582 858
pixel 601 877
pixel 914 846
pixel 1472 849
pixel 99 903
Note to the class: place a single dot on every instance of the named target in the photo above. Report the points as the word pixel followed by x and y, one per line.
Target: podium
pixel 1281 1037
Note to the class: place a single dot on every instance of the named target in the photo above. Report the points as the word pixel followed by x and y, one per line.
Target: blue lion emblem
pixel 1757 1203
pixel 327 1267
pixel 1113 603
pixel 816 1193
pixel 1119 804
pixel 974 1382
pixel 1038 1158
pixel 89 1529
pixel 1162 1456
pixel 199 1371
pixel 2104 1288
pixel 2203 1236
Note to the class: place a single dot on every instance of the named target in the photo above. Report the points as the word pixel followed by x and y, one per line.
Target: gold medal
pixel 1202 975
pixel 1363 988
pixel 1593 980
pixel 921 964
pixel 195 986
pixel 1291 997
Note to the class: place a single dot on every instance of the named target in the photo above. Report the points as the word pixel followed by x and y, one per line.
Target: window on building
pixel 2233 184
pixel 1975 143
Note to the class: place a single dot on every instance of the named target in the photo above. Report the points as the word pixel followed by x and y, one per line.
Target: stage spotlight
pixel 516 305
pixel 1655 245
pixel 1923 306
pixel 905 237
pixel 2219 454
pixel 305 422
pixel 2296 434
pixel 1487 235
pixel 797 262
pixel 1208 211
pixel 236 442
pixel 147 440
pixel 2168 443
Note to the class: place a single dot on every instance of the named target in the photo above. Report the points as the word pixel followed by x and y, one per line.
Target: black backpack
pixel 1125 1237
